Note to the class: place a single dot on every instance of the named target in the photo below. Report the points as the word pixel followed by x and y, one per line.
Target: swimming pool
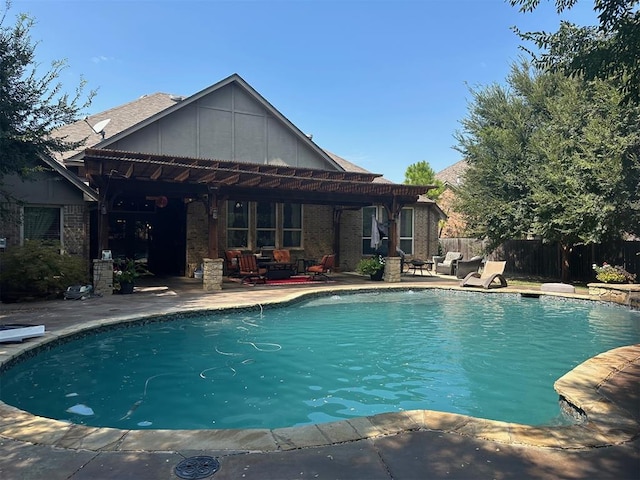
pixel 492 356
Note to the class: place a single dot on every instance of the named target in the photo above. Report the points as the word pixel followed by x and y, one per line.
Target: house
pixel 53 203
pixel 182 179
pixel 452 177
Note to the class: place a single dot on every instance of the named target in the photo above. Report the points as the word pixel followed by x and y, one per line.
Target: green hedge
pixel 38 271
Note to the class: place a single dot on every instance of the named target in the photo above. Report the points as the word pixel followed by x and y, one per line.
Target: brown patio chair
pixel 492 271
pixel 327 263
pixel 232 264
pixel 249 269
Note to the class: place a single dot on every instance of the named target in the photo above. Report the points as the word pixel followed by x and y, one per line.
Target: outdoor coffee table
pixel 278 270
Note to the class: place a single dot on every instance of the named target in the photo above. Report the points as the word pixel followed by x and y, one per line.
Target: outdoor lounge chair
pixel 465 267
pixel 232 264
pixel 448 265
pixel 327 263
pixel 492 271
pixel 249 270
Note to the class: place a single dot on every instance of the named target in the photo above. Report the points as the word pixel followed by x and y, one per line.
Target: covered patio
pixel 116 174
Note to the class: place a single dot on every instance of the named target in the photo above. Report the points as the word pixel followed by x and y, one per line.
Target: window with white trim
pixel 237 224
pixel 404 225
pixel 291 225
pixel 257 225
pixel 405 236
pixel 265 225
pixel 42 223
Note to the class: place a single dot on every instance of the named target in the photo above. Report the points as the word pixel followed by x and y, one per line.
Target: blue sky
pixel 381 83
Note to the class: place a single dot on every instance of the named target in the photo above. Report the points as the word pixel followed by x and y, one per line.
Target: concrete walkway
pixel 403 445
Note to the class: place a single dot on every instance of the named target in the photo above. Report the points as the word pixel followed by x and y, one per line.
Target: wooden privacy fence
pixel 537 259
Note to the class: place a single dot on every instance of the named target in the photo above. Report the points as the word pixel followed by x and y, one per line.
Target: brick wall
pixel 318 234
pixel 10 224
pixel 75 230
pixel 317 231
pixel 425 232
pixel 350 239
pixel 197 236
pixel 425 235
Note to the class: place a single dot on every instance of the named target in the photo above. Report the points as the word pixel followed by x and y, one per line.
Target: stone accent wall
pixel 197 236
pixel 624 294
pixel 103 277
pixel 212 274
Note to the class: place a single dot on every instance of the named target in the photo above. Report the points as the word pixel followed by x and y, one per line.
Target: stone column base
pixel 392 271
pixel 212 275
pixel 103 277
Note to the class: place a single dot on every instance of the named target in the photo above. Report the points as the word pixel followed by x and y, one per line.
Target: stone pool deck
pixel 402 445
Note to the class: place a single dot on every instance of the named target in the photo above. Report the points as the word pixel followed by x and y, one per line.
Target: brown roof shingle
pixel 121 118
pixel 453 175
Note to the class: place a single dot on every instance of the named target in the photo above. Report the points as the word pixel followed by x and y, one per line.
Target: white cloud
pixel 100 59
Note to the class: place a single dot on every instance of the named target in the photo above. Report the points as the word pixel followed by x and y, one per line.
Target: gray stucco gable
pixel 227 121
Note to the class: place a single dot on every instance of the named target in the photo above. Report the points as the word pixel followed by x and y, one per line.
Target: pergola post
pixel 392 271
pixel 103 222
pixel 212 210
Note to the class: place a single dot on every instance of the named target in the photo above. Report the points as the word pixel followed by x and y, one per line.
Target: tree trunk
pixel 566 251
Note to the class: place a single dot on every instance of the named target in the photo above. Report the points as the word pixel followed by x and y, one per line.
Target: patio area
pixel 405 445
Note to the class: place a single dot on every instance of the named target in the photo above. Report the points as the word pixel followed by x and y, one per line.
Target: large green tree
pixel 551 156
pixel 421 173
pixel 610 50
pixel 32 105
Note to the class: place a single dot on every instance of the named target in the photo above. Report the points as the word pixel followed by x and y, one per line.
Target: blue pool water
pixel 492 356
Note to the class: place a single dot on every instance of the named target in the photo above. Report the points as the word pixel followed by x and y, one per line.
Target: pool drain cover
pixel 193 468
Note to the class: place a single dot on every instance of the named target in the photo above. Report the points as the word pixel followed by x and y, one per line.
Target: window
pixel 42 223
pixel 265 225
pixel 260 225
pixel 292 225
pixel 367 214
pixel 405 230
pixel 237 224
pixel 405 237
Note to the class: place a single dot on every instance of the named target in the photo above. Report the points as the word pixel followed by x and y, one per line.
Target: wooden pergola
pixel 216 180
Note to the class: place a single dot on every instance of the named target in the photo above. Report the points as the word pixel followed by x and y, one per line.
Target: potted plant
pixel 125 273
pixel 373 266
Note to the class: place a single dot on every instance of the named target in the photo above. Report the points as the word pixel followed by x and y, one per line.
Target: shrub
pixel 613 274
pixel 370 266
pixel 37 271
